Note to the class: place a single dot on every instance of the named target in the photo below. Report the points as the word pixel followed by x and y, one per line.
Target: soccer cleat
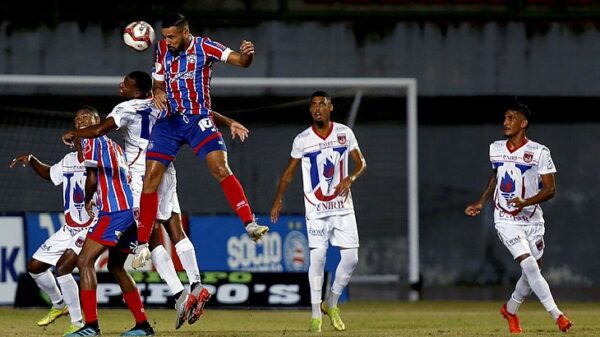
pixel 256 231
pixel 72 328
pixel 315 324
pixel 182 309
pixel 513 320
pixel 198 310
pixel 143 329
pixel 86 330
pixel 142 255
pixel 52 315
pixel 564 324
pixel 334 316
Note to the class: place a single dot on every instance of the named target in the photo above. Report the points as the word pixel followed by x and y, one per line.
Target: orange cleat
pixel 513 320
pixel 564 324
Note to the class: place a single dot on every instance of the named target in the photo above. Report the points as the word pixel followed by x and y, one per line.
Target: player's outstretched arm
pixel 286 178
pixel 92 131
pixel 475 208
pixel 236 128
pixel 245 57
pixel 43 170
pixel 360 165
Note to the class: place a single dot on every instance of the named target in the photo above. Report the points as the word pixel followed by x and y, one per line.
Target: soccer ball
pixel 139 35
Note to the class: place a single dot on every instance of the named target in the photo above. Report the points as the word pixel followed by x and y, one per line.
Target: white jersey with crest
pixel 324 166
pixel 518 174
pixel 71 173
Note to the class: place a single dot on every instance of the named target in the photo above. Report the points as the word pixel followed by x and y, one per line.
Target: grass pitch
pixel 361 318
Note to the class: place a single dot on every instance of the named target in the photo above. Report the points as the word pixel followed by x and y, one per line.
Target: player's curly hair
pixel 142 80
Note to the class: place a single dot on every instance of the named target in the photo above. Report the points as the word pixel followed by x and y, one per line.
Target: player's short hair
pixel 320 93
pixel 174 19
pixel 517 105
pixel 93 111
pixel 142 80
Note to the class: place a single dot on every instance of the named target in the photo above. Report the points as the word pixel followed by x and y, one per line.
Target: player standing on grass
pixel 182 73
pixel 108 175
pixel 324 150
pixel 61 249
pixel 135 118
pixel 522 177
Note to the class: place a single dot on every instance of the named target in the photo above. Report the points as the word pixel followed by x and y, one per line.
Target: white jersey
pixel 71 173
pixel 135 118
pixel 324 166
pixel 519 175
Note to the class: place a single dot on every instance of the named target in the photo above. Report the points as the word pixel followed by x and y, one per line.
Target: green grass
pixel 361 318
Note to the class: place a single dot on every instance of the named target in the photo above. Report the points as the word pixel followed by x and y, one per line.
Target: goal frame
pixel 409 85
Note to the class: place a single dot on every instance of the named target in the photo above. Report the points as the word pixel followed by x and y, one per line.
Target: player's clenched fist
pixel 247 48
pixel 473 209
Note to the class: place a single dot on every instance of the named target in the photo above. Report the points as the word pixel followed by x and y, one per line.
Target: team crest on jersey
pixel 79 242
pixel 192 58
pixel 150 145
pixel 341 138
pixel 87 147
pixel 528 157
pixel 118 234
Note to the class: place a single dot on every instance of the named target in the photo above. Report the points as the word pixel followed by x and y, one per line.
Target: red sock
pixel 234 192
pixel 89 305
pixel 148 209
pixel 134 302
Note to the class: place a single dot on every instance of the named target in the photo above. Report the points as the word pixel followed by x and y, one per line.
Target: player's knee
pixel 35 267
pixel 318 257
pixel 350 258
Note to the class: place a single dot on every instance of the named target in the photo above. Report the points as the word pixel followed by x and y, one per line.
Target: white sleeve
pixel 56 173
pixel 122 114
pixel 352 142
pixel 297 149
pixel 545 163
pixel 225 55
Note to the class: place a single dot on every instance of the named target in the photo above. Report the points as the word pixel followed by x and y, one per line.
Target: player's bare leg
pixel 234 192
pixel 131 295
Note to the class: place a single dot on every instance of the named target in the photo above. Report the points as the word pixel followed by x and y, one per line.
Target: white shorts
pixel 55 246
pixel 522 239
pixel 167 193
pixel 340 230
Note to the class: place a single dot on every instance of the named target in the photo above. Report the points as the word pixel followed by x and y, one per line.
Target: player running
pixel 522 177
pixel 135 118
pixel 108 174
pixel 182 73
pixel 61 249
pixel 324 150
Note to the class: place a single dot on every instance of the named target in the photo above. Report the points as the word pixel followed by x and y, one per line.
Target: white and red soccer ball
pixel 139 35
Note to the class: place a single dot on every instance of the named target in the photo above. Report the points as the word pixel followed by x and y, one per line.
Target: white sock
pixel 165 268
pixel 539 285
pixel 187 256
pixel 522 290
pixel 316 273
pixel 47 283
pixel 343 273
pixel 70 292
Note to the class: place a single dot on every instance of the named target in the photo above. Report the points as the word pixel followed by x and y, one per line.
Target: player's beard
pixel 319 124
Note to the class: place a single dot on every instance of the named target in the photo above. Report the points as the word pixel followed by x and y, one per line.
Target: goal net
pixel 381 111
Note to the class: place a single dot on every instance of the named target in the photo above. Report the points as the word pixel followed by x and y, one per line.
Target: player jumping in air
pixel 522 177
pixel 108 174
pixel 135 118
pixel 61 249
pixel 324 150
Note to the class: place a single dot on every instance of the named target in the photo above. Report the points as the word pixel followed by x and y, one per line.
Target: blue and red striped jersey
pixel 187 74
pixel 114 193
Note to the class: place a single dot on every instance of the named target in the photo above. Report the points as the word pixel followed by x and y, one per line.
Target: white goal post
pixel 407 84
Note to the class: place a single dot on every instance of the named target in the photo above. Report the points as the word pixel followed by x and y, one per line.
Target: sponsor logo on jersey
pixel 513 241
pixel 528 157
pixel 507 186
pixel 316 232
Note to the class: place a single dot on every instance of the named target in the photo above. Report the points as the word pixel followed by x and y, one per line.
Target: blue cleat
pixel 86 330
pixel 143 329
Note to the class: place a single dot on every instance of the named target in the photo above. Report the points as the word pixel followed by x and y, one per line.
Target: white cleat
pixel 142 255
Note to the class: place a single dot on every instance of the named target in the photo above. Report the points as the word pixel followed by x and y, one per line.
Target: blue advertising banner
pixel 222 244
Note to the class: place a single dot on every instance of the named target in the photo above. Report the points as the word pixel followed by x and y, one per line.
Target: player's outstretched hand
pixel 68 138
pixel 238 130
pixel 473 209
pixel 275 211
pixel 23 159
pixel 247 48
